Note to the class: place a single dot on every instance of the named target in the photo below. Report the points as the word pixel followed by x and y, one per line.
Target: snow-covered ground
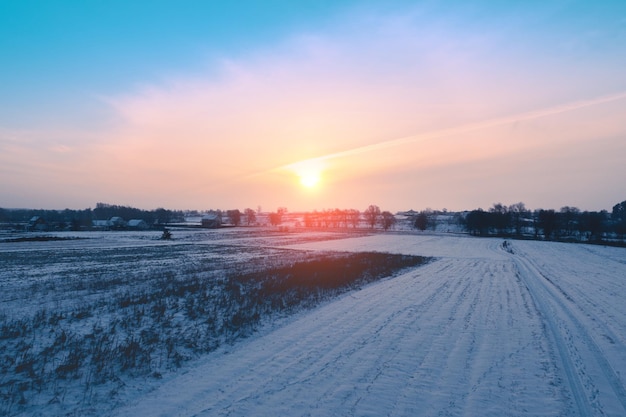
pixel 526 329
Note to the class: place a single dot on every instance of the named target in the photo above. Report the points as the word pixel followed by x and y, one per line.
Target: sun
pixel 309 179
pixel 309 172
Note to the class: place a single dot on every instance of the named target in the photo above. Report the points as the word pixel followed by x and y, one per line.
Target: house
pixel 212 221
pixel 101 224
pixel 37 223
pixel 117 223
pixel 137 224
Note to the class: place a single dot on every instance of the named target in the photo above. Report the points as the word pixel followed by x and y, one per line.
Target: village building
pixel 138 224
pixel 211 221
pixel 114 223
pixel 37 223
pixel 117 223
pixel 101 224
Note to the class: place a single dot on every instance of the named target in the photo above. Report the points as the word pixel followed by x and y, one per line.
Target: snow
pixel 530 329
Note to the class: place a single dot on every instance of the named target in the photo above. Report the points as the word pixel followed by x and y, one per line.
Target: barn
pixel 137 224
pixel 211 221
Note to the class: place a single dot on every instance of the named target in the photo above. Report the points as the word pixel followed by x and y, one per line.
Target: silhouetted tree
pixel 618 215
pixel 326 218
pixel 277 218
pixel 548 222
pixel 517 214
pixel 387 219
pixel 354 217
pixel 340 218
pixel 162 216
pixel 372 213
pixel 569 218
pixel 421 220
pixel 250 216
pixel 619 211
pixel 499 218
pixel 234 216
pixel 477 222
pixel 592 223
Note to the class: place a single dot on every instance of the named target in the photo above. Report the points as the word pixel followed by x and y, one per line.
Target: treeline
pixel 81 219
pixel 158 216
pixel 567 224
pixel 372 216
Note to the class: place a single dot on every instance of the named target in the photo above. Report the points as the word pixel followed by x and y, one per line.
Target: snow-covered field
pixel 526 329
pixel 485 329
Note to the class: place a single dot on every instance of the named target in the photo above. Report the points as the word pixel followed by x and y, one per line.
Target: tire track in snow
pixel 590 290
pixel 471 365
pixel 561 321
pixel 432 360
pixel 351 355
pixel 391 340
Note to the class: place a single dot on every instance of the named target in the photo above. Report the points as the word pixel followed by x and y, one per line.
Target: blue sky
pixel 196 104
pixel 64 51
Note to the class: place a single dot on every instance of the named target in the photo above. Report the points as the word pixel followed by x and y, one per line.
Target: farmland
pixel 84 314
pixel 456 326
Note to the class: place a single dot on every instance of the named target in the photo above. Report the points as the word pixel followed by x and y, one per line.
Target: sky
pixel 312 104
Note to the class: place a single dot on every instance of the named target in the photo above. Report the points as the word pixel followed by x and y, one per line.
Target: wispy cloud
pixel 316 94
pixel 466 128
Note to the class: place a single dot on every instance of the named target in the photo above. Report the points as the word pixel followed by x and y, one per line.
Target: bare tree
pixel 592 223
pixel 421 220
pixel 387 219
pixel 372 213
pixel 500 218
pixel 547 221
pixel 277 218
pixel 250 216
pixel 354 217
pixel 518 212
pixel 619 218
pixel 568 218
pixel 477 222
pixel 234 216
pixel 308 219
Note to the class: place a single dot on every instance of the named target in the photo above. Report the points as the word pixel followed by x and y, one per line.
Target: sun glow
pixel 309 180
pixel 309 172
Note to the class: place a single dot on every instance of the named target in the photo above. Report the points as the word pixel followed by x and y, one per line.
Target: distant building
pixel 37 223
pixel 137 224
pixel 117 223
pixel 101 224
pixel 211 221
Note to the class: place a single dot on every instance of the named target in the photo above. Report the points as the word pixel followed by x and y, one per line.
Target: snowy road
pixel 536 330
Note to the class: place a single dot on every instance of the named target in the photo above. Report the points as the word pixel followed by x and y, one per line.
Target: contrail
pixel 536 114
